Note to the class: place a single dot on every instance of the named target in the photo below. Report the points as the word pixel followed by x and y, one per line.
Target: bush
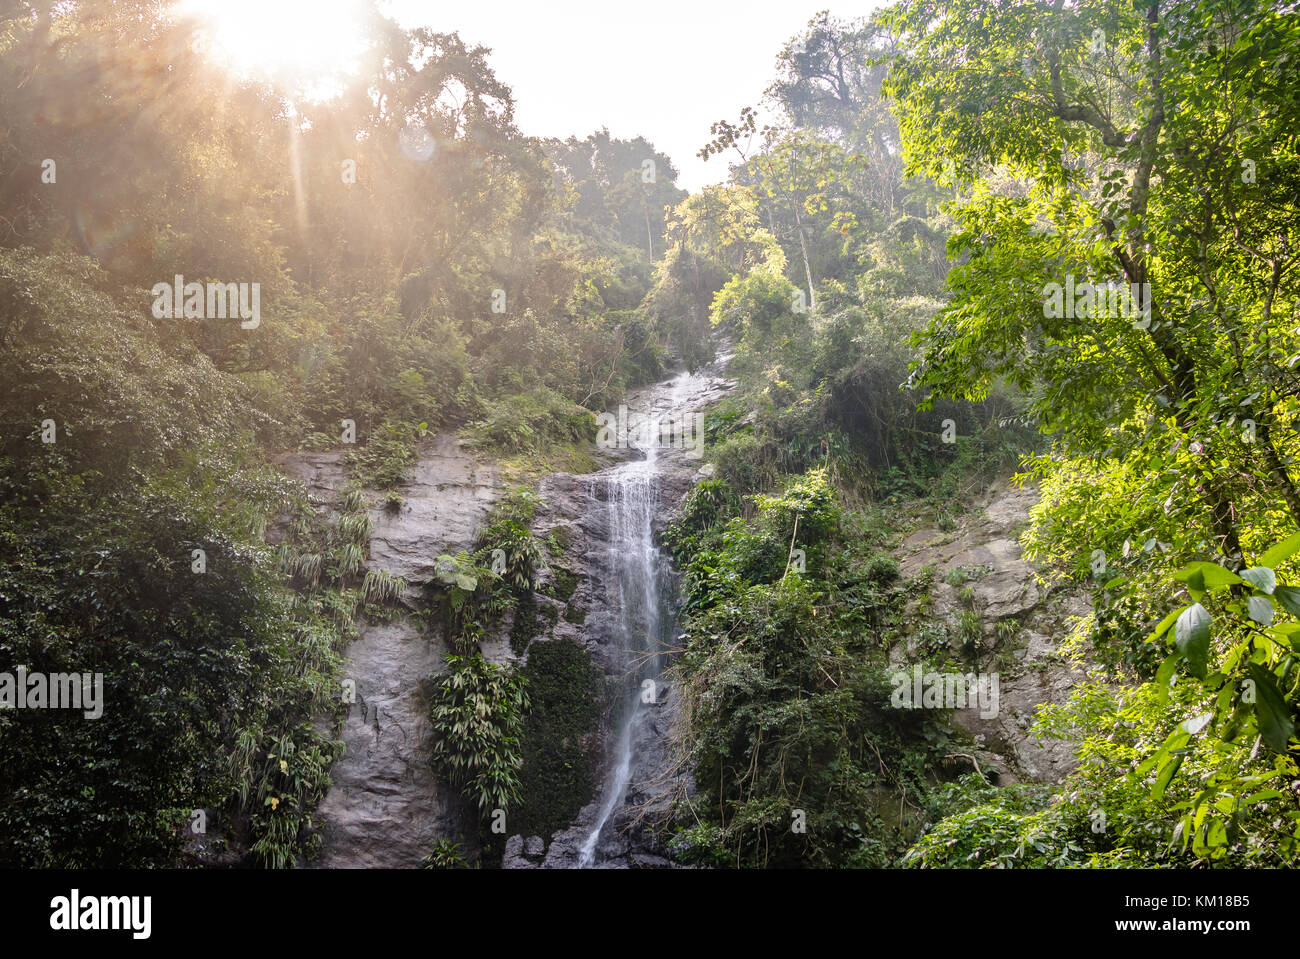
pixel 530 422
pixel 477 711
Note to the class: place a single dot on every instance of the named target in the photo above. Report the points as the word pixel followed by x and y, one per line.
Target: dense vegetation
pixel 1148 147
pixel 380 225
pixel 880 264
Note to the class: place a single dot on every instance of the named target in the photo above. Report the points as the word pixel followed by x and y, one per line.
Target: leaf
pixel 1169 621
pixel 1192 637
pixel 1167 774
pixel 1207 576
pixel 1276 726
pixel 1281 551
pixel 1260 610
pixel 1176 740
pixel 1261 577
pixel 1262 795
pixel 1196 723
pixel 1289 597
pixel 1165 675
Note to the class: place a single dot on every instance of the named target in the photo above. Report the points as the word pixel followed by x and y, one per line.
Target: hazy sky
pixel 664 70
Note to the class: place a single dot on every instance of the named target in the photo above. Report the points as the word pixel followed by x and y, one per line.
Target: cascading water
pixel 638 581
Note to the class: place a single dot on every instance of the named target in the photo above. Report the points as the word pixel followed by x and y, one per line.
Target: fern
pixel 349 560
pixel 381 587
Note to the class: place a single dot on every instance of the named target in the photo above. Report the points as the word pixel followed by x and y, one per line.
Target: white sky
pixel 662 69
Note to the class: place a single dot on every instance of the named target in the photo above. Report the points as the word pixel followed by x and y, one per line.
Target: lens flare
pixel 311 45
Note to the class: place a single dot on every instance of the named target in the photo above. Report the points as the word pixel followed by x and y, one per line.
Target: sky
pixel 664 70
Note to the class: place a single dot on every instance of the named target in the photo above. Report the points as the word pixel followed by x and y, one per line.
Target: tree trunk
pixel 803 247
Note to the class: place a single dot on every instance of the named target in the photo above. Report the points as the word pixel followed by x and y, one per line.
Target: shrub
pixel 477 711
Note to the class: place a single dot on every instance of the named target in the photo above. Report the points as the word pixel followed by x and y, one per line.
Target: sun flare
pixel 312 44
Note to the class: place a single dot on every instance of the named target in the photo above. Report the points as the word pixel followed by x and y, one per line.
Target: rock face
pixel 981 573
pixel 386 807
pixel 447 499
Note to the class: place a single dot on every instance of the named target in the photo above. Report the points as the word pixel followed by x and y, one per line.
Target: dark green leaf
pixel 1275 723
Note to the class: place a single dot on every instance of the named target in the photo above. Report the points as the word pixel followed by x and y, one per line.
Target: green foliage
pixel 386 458
pixel 445 855
pixel 785 711
pixel 152 461
pixel 530 421
pixel 1169 773
pixel 292 780
pixel 477 711
pixel 709 503
pixel 1189 403
pixel 1000 828
pixel 522 555
pixel 381 587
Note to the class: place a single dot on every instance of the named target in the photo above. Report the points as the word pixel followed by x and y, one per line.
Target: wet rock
pixel 646 861
pixel 513 857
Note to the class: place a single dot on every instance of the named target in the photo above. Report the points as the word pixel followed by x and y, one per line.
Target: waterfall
pixel 637 583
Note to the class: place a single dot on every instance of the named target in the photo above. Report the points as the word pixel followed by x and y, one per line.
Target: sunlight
pixel 309 44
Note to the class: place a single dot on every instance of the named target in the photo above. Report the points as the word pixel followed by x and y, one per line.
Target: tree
pixel 1130 135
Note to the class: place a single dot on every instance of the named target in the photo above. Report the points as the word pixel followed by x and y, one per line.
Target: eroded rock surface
pixel 1021 626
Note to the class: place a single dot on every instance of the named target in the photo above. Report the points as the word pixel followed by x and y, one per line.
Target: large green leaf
pixel 1207 576
pixel 1260 610
pixel 1192 637
pixel 1281 551
pixel 1289 597
pixel 1169 621
pixel 1271 709
pixel 1261 577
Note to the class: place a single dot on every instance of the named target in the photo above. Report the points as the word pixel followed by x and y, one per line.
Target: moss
pixel 557 777
pixel 576 614
pixel 560 539
pixel 563 585
pixel 531 620
pixel 525 627
pixel 550 615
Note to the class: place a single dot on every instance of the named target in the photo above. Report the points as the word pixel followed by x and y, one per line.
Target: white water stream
pixel 637 580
